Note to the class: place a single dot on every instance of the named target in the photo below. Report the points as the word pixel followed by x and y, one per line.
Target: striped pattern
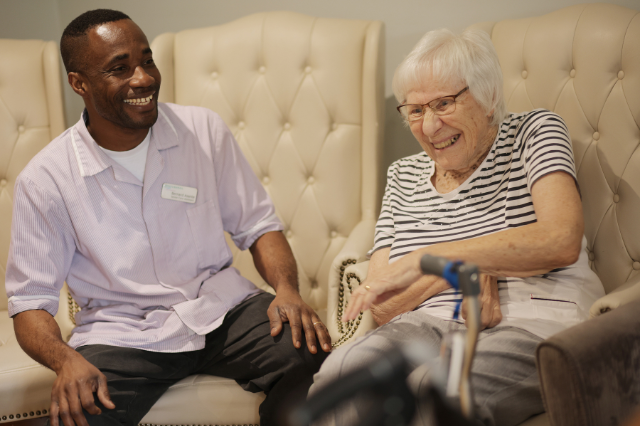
pixel 495 198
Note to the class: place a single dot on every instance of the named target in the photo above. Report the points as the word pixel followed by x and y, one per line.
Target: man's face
pixel 123 82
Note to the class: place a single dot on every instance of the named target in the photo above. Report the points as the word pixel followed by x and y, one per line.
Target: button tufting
pixel 616 198
pixel 289 233
pixel 334 126
pixel 525 74
pixel 21 129
pixel 592 256
pixel 241 125
pixel 572 73
pixel 313 283
pixel 287 126
pixel 266 180
pixel 596 136
pixel 307 69
pixel 262 69
pixel 334 234
pixel 311 180
pixel 620 75
pixel 214 75
pixel 3 182
pixel 636 265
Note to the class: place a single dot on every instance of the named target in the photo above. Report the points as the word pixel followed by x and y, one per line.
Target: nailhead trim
pixel 348 329
pixel 154 424
pixel 73 309
pixel 37 413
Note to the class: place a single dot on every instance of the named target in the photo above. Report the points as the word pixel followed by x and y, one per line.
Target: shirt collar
pixel 91 160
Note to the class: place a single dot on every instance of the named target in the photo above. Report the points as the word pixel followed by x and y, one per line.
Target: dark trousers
pixel 241 349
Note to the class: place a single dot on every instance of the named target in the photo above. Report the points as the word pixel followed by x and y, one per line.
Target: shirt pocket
pixel 559 310
pixel 208 236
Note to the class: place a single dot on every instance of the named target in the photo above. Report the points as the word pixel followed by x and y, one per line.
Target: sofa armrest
pixel 628 292
pixel 67 309
pixel 589 373
pixel 355 249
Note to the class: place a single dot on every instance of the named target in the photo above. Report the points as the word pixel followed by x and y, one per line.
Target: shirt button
pixel 311 180
pixel 287 126
pixel 241 125
pixel 636 265
pixel 266 180
pixel 21 129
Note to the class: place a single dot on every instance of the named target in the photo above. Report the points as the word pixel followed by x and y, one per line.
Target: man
pixel 129 207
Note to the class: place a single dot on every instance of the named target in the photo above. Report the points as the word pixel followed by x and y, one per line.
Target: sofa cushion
pixel 25 385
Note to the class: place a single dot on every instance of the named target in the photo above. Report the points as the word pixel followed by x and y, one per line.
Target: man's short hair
pixel 76 33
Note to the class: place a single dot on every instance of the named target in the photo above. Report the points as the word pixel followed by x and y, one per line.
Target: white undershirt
pixel 134 160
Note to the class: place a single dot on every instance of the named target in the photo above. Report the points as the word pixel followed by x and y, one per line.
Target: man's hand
pixel 289 306
pixel 73 390
pixel 77 380
pixel 275 263
pixel 490 313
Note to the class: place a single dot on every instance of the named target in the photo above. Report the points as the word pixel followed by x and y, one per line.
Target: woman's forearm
pixel 424 288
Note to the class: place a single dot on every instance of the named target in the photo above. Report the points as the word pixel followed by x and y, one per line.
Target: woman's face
pixel 456 141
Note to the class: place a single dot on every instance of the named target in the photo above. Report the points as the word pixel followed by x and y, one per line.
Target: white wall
pixel 406 21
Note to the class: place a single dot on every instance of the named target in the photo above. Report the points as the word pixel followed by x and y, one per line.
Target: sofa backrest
pixel 304 98
pixel 31 115
pixel 583 62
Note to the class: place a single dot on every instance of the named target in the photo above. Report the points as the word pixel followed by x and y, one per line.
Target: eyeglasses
pixel 441 106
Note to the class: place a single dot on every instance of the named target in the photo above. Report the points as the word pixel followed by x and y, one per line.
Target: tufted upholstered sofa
pixel 583 62
pixel 31 114
pixel 304 98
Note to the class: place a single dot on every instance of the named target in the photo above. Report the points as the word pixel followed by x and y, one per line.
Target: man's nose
pixel 141 78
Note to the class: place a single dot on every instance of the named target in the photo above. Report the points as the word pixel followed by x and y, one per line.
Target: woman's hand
pixel 490 314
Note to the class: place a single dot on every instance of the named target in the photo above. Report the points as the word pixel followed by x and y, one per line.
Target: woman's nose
pixel 431 123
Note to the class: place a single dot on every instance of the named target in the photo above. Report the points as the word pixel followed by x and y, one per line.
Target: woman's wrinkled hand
pixel 490 313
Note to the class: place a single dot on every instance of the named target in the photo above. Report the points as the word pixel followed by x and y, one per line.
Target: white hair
pixel 469 58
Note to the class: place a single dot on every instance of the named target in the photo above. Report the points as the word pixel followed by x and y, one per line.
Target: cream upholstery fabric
pixel 31 114
pixel 582 62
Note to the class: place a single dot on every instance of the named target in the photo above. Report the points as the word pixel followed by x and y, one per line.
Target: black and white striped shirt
pixel 496 197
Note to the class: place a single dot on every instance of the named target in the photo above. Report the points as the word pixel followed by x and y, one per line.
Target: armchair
pixel 583 62
pixel 304 98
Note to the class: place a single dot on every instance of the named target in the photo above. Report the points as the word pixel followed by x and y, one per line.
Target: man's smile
pixel 139 101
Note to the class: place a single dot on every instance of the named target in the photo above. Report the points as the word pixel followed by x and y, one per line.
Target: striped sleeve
pixel 42 247
pixel 546 146
pixel 385 231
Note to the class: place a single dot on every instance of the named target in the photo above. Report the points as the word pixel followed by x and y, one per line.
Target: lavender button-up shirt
pixel 148 272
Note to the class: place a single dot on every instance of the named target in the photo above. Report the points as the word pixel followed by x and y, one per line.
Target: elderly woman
pixel 491 188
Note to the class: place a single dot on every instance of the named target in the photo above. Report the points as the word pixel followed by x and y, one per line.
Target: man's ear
pixel 77 83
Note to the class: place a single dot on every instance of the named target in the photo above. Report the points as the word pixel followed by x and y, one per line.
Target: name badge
pixel 179 193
